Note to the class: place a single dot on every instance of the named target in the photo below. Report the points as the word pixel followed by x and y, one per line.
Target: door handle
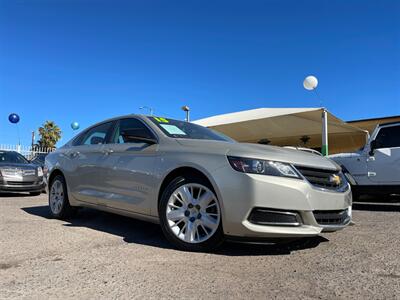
pixel 74 154
pixel 108 151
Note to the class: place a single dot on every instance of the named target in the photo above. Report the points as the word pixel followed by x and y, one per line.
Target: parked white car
pixel 375 168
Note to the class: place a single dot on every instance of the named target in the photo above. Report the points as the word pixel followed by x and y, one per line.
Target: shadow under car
pixel 140 232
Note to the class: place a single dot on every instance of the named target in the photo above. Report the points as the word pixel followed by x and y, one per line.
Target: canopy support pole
pixel 324 148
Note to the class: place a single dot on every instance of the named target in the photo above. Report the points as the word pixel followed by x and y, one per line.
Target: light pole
pixel 33 139
pixel 310 83
pixel 151 110
pixel 186 109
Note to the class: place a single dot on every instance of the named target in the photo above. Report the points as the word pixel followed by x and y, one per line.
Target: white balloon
pixel 310 83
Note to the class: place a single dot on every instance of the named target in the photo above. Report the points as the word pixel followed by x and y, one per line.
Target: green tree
pixel 50 134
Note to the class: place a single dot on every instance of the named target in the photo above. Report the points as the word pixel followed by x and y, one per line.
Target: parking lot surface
pixel 98 255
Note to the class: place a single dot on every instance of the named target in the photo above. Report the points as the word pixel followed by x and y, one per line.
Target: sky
pixel 88 60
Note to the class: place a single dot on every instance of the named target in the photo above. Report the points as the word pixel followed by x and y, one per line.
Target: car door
pixel 86 173
pixel 384 161
pixel 129 165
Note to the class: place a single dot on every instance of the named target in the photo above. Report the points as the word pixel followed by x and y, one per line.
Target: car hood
pixel 266 152
pixel 5 165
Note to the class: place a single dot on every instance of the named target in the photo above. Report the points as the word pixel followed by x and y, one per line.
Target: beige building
pixel 293 127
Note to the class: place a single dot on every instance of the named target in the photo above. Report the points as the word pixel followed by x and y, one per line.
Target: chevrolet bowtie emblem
pixel 335 179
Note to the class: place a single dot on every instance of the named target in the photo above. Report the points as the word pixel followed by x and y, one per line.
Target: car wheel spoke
pixel 58 187
pixel 190 231
pixel 205 199
pixel 176 214
pixel 209 222
pixel 186 195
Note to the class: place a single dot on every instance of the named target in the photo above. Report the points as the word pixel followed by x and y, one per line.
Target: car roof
pixel 390 123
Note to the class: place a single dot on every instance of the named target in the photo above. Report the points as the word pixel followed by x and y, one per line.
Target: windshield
pixel 12 157
pixel 186 130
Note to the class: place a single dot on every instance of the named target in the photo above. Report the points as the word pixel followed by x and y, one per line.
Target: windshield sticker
pixel 172 129
pixel 161 120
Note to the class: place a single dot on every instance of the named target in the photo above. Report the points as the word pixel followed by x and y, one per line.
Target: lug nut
pixel 199 216
pixel 187 213
pixel 190 205
pixel 198 207
pixel 192 219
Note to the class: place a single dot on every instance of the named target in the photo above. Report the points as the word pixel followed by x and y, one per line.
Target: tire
pixel 206 232
pixel 59 205
pixel 34 193
pixel 355 193
pixel 356 196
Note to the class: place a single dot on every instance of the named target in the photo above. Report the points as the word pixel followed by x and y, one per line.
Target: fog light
pixel 272 217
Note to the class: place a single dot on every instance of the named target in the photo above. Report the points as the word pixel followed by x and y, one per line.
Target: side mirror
pixel 372 146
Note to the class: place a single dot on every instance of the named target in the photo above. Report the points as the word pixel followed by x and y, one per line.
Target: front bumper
pixel 18 185
pixel 241 193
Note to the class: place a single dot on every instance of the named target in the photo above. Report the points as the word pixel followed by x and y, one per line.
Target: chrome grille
pixel 331 217
pixel 20 182
pixel 326 179
pixel 18 172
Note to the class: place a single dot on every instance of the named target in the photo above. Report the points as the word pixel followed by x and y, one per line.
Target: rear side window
pixel 96 135
pixel 388 137
pixel 129 129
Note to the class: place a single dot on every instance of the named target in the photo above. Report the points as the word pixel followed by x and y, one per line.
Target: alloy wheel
pixel 56 196
pixel 193 213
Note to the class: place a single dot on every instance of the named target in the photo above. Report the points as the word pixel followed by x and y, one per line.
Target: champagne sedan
pixel 200 186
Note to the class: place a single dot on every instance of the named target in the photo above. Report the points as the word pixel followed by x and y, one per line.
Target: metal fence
pixel 28 151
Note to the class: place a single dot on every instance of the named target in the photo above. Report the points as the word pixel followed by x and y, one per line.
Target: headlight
pixel 39 171
pixel 45 170
pixel 264 167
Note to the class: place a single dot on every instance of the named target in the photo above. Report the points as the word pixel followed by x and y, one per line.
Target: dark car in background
pixel 17 174
pixel 39 159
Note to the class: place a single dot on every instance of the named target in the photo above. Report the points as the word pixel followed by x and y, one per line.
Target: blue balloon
pixel 13 118
pixel 75 125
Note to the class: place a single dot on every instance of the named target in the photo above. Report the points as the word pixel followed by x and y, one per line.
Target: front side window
pixel 388 137
pixel 131 131
pixel 96 135
pixel 186 130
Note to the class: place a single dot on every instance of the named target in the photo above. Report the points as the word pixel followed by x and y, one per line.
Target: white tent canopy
pixel 285 126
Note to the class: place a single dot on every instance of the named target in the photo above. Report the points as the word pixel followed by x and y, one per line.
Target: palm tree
pixel 305 139
pixel 50 134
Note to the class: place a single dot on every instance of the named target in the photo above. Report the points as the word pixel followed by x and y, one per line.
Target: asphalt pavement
pixel 104 256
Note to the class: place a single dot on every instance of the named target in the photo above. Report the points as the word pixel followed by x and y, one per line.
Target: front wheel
pixel 190 215
pixel 58 199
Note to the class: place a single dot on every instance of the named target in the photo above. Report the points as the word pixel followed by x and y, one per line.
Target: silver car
pixel 17 174
pixel 201 186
